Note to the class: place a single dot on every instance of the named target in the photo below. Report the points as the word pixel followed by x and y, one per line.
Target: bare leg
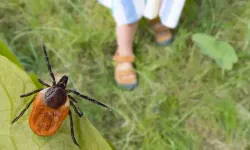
pixel 125 36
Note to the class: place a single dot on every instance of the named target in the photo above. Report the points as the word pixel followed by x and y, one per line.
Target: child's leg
pixel 123 71
pixel 125 36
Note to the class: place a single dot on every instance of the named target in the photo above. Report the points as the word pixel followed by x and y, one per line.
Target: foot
pixel 125 75
pixel 163 35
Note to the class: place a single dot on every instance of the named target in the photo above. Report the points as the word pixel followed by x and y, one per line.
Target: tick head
pixel 62 82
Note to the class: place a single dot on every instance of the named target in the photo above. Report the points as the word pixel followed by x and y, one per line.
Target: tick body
pixel 51 106
pixel 45 121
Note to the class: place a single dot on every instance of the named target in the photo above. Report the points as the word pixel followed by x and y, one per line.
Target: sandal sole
pixel 127 86
pixel 166 43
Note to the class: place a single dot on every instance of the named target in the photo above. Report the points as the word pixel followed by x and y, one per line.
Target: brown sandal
pixel 130 83
pixel 163 35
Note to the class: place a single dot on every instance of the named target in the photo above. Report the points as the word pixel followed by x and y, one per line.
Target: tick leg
pixel 76 109
pixel 87 98
pixel 23 111
pixel 43 83
pixel 49 66
pixel 30 93
pixel 72 129
pixel 72 98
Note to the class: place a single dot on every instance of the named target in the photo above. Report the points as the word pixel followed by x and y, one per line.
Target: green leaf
pixel 5 51
pixel 222 52
pixel 34 78
pixel 14 82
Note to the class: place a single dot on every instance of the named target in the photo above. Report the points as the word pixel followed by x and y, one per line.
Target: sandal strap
pixel 126 72
pixel 127 81
pixel 121 73
pixel 118 58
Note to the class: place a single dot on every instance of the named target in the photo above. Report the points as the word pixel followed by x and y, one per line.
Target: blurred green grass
pixel 184 100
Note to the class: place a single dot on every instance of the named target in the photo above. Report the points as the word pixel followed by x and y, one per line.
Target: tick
pixel 52 104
